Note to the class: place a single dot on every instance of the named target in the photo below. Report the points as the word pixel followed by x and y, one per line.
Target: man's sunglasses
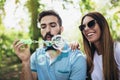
pixel 90 24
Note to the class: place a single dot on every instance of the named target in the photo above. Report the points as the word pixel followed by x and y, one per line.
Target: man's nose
pixel 48 29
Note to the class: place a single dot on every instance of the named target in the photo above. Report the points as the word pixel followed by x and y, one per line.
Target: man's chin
pixel 49 39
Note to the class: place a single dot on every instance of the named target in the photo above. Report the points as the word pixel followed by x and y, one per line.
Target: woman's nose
pixel 86 27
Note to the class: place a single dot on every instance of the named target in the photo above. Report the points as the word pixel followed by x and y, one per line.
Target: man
pixel 48 63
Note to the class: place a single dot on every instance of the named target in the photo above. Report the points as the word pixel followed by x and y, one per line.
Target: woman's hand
pixel 74 45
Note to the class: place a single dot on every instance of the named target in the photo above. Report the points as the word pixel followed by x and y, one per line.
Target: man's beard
pixel 45 39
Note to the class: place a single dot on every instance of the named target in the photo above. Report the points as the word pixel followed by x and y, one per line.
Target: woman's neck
pixel 98 48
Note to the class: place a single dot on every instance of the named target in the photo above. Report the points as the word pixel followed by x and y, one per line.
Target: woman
pixel 103 54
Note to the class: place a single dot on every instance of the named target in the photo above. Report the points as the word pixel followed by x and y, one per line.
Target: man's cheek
pixel 54 33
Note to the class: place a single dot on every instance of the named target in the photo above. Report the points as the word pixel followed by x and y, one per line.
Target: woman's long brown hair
pixel 110 69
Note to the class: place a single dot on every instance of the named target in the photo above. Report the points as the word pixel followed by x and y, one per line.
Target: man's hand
pixel 22 51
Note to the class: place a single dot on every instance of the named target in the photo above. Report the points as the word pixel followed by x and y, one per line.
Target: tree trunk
pixel 33 6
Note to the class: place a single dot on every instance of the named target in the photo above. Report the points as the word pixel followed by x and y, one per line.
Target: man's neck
pixel 53 54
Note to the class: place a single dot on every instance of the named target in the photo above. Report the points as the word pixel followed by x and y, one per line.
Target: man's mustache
pixel 48 34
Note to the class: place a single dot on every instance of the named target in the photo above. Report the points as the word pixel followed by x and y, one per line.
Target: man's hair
pixel 48 13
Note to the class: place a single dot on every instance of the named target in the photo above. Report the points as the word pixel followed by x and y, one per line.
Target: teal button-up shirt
pixel 70 65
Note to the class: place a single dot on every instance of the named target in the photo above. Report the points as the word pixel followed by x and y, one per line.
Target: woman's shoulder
pixel 117 44
pixel 117 48
pixel 117 53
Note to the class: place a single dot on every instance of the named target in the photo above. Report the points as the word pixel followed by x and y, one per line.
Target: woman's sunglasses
pixel 90 24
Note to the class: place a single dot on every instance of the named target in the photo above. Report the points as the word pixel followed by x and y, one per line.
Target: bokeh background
pixel 18 20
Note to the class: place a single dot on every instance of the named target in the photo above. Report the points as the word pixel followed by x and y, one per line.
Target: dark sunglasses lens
pixel 91 24
pixel 81 27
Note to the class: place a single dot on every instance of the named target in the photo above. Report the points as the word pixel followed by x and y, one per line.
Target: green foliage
pixel 86 5
pixel 113 21
pixel 7 55
pixel 7 37
pixel 2 3
pixel 115 2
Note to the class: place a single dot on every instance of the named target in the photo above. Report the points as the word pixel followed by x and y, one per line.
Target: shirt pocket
pixel 62 74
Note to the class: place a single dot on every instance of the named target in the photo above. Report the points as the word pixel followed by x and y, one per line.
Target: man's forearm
pixel 26 72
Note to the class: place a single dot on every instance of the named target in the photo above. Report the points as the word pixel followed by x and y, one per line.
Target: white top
pixel 97 61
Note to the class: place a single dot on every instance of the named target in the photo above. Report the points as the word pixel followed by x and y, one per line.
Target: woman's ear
pixel 62 29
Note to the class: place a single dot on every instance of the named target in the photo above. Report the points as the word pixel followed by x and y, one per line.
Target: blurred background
pixel 18 20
